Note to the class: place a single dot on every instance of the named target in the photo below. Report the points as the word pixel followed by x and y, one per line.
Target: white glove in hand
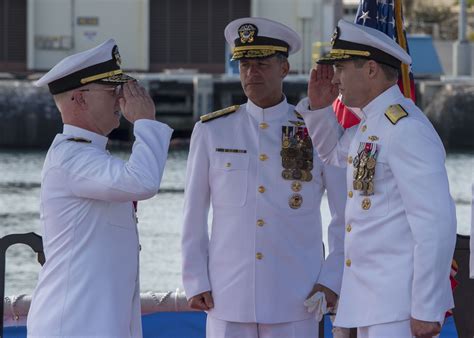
pixel 317 304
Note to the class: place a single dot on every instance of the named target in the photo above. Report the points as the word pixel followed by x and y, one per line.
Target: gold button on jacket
pixel 259 255
pixel 348 262
pixel 261 189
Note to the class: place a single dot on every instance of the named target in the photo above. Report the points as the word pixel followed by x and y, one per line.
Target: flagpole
pixel 403 43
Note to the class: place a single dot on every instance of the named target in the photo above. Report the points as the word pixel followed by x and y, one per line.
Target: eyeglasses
pixel 117 90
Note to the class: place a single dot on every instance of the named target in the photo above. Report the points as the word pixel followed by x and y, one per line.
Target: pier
pixel 30 118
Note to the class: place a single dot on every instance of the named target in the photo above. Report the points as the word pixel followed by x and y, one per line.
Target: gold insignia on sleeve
pixel 79 139
pixel 395 113
pixel 219 113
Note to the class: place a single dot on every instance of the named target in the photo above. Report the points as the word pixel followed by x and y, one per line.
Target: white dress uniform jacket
pixel 263 257
pixel 89 285
pixel 399 241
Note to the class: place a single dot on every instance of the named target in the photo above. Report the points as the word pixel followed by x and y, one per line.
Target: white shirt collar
pixel 268 114
pixel 391 96
pixel 98 140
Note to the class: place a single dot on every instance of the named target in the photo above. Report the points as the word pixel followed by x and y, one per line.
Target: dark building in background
pixel 13 35
pixel 190 33
pixel 183 33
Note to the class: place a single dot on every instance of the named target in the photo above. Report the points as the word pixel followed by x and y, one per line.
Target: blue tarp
pixel 193 325
pixel 425 57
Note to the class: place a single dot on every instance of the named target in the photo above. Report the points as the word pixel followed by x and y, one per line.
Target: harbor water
pixel 159 218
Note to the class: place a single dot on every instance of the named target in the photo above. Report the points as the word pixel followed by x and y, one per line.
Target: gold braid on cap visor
pixel 100 76
pixel 345 53
pixel 256 51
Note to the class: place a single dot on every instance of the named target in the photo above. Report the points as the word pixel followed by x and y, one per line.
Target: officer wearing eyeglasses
pixel 89 285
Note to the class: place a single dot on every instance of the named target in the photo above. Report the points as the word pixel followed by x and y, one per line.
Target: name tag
pixel 224 150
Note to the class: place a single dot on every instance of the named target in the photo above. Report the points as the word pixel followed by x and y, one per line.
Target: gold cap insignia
pixel 247 32
pixel 335 36
pixel 116 56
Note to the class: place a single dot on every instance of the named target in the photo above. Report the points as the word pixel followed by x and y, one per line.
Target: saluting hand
pixel 202 301
pixel 321 91
pixel 422 329
pixel 136 103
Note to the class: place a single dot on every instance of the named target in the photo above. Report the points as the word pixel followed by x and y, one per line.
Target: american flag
pixel 385 16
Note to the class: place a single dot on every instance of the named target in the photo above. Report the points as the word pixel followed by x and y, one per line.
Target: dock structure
pixel 31 119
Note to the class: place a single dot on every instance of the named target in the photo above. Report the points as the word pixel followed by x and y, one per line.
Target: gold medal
pixel 357 185
pixel 285 143
pixel 291 152
pixel 296 186
pixel 309 165
pixel 300 164
pixel 361 173
pixel 288 163
pixel 286 174
pixel 370 163
pixel 306 176
pixel 355 173
pixel 295 201
pixel 297 174
pixel 370 188
pixel 363 160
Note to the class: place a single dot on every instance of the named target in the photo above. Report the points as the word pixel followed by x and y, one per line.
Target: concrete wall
pixel 58 28
pixel 445 53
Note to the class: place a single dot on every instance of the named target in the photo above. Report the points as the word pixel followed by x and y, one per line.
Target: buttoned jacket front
pixel 263 257
pixel 399 240
pixel 89 285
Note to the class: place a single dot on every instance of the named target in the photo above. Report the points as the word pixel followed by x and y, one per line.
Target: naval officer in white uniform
pixel 89 285
pixel 400 217
pixel 254 164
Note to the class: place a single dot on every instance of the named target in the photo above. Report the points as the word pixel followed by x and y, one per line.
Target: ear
pixel 373 68
pixel 285 69
pixel 79 100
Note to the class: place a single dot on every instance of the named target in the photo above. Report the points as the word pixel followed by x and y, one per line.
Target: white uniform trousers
pixel 216 328
pixel 399 329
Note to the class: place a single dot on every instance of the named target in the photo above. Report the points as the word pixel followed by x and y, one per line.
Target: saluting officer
pixel 89 285
pixel 254 164
pixel 400 217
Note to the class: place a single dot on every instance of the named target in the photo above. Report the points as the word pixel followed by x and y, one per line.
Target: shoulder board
pixel 395 113
pixel 79 139
pixel 219 113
